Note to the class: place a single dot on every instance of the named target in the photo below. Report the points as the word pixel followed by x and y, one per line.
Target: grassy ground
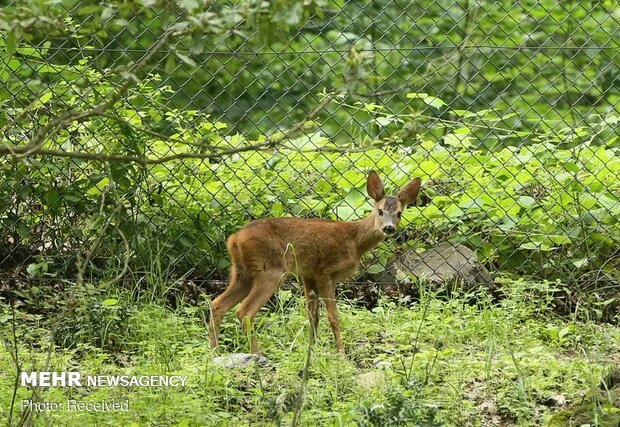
pixel 463 360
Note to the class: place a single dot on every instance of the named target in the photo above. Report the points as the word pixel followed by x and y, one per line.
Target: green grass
pixel 463 360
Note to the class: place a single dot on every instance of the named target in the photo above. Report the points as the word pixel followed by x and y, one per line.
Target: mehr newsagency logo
pixel 76 379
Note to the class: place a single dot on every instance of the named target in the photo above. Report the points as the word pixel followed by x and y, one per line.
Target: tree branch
pixel 28 151
pixel 202 143
pixel 35 144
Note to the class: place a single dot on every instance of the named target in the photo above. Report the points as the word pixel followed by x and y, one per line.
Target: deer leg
pixel 237 289
pixel 312 305
pixel 327 292
pixel 263 287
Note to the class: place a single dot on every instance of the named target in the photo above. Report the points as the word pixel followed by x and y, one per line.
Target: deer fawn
pixel 321 252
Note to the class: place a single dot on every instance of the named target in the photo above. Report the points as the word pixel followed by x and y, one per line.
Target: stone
pixel 241 360
pixel 444 263
pixel 370 379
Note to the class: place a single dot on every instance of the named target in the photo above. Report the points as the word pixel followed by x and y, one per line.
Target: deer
pixel 320 252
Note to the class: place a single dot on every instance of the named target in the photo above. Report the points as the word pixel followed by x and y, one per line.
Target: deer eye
pixel 380 212
pixel 398 215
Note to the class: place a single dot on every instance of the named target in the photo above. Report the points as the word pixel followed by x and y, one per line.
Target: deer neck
pixel 367 236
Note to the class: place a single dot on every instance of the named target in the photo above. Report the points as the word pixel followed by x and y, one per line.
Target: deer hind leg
pixel 238 288
pixel 264 285
pixel 327 292
pixel 312 305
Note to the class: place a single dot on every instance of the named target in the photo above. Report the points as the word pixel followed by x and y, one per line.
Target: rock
pixel 382 364
pixel 370 379
pixel 557 400
pixel 442 264
pixel 605 414
pixel 241 360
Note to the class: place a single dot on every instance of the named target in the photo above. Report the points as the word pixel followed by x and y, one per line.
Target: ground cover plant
pixel 435 361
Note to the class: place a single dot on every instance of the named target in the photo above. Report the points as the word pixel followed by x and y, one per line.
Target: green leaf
pixel 107 13
pixel 457 140
pixel 355 199
pixel 10 42
pixel 222 264
pixel 290 15
pixel 98 188
pixel 559 239
pixel 376 268
pixel 110 302
pixel 563 332
pixel 171 65
pixel 185 241
pixel 88 10
pixel 188 5
pixel 433 101
pixel 306 142
pixel 454 212
pixel 579 263
pixel 52 198
pixel 543 246
pixel 471 203
pixel 383 121
pixel 43 99
pixel 526 201
pixel 189 61
pixel 345 213
pixel 73 196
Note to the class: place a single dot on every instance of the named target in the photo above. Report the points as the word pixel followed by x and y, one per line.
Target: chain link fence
pixel 133 150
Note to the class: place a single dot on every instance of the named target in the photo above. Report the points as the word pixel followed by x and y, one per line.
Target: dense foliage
pixel 526 177
pixel 548 207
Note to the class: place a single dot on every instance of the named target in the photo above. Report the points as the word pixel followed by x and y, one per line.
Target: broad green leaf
pixel 579 263
pixel 188 5
pixel 543 246
pixel 10 42
pixel 457 140
pixel 376 268
pixel 189 61
pixel 345 213
pixel 559 239
pixel 434 102
pixel 52 198
pixel 526 201
pixel 355 198
pixel 454 212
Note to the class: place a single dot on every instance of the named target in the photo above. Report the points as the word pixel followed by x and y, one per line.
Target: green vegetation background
pixel 508 112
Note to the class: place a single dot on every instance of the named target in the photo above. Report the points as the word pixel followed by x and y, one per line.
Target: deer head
pixel 388 209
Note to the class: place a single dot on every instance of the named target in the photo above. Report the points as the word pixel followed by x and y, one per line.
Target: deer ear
pixel 410 192
pixel 374 186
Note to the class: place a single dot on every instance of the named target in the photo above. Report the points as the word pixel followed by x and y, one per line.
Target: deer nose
pixel 389 229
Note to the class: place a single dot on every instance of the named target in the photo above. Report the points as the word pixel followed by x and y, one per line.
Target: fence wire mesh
pixel 137 150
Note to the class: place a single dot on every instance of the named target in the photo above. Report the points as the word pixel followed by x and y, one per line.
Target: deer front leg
pixel 327 292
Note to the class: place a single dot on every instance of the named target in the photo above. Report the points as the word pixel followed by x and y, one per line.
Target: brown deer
pixel 320 252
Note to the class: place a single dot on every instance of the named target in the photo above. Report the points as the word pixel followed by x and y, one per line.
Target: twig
pixel 299 405
pixel 18 369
